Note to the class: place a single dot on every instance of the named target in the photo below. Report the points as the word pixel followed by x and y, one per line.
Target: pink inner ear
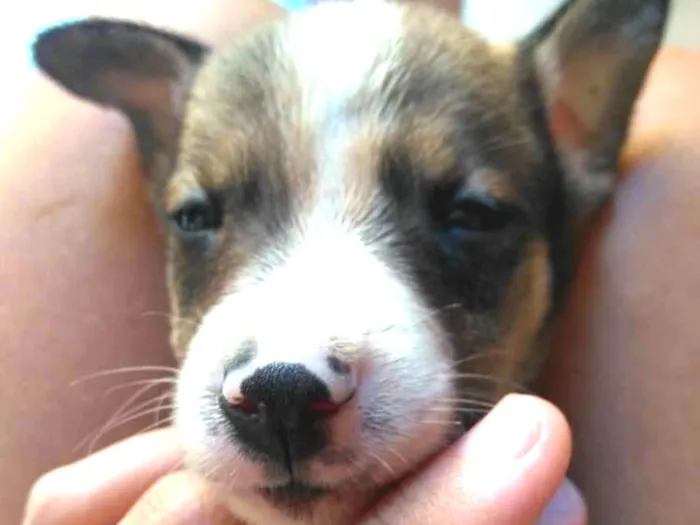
pixel 566 127
pixel 155 96
pixel 140 92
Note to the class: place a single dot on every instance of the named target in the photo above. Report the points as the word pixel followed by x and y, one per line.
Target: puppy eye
pixel 474 215
pixel 198 216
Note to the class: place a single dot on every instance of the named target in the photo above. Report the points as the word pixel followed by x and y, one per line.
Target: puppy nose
pixel 284 389
pixel 278 411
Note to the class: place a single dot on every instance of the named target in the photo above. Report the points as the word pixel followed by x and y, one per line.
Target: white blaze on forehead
pixel 338 48
pixel 325 285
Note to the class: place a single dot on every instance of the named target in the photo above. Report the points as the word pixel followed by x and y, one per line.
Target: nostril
pixel 239 404
pixel 338 366
pixel 320 409
pixel 279 392
pixel 245 405
pixel 324 408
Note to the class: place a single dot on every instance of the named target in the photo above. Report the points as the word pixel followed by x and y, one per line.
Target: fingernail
pixel 566 508
pixel 507 433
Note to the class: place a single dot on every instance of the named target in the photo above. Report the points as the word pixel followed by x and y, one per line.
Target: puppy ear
pixel 583 70
pixel 141 71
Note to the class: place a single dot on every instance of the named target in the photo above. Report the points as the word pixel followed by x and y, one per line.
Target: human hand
pixel 503 472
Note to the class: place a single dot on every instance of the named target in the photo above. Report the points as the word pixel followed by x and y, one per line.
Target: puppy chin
pixel 219 461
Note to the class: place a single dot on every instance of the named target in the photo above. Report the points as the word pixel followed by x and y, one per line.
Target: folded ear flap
pixel 584 69
pixel 141 71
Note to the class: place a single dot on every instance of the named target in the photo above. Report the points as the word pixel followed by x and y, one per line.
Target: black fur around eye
pixel 473 215
pixel 462 214
pixel 200 216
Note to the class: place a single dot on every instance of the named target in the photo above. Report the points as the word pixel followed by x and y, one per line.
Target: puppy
pixel 372 218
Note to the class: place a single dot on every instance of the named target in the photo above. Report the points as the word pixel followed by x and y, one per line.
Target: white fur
pixel 327 284
pixel 333 61
pixel 331 286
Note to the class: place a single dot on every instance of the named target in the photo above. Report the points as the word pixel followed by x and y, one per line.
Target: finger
pixel 101 488
pixel 503 472
pixel 566 508
pixel 179 499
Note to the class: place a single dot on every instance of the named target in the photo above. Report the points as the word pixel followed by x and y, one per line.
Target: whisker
pixel 155 425
pixel 476 403
pixel 159 381
pixel 125 370
pixel 382 463
pixel 485 377
pixel 93 437
pixel 510 384
pixel 161 405
pixel 125 407
pixel 399 456
pixel 155 403
pixel 462 409
pixel 119 423
pixel 140 392
pixel 479 355
pixel 462 399
pixel 427 315
pixel 170 316
pixel 439 422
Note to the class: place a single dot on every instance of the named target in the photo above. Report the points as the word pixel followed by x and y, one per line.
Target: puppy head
pixel 371 217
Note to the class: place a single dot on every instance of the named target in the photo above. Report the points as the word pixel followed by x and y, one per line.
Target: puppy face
pixel 371 216
pixel 359 222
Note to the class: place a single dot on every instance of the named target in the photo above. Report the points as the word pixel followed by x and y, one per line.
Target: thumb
pixel 503 472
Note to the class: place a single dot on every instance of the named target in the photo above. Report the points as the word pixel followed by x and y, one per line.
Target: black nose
pixel 279 414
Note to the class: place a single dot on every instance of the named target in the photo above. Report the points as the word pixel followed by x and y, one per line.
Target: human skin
pixel 626 357
pixel 503 472
pixel 82 269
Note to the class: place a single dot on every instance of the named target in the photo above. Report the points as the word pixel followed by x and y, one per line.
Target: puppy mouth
pixel 296 498
pixel 309 479
pixel 294 492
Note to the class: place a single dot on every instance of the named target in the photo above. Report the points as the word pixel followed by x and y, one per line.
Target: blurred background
pixel 508 19
pixel 501 20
